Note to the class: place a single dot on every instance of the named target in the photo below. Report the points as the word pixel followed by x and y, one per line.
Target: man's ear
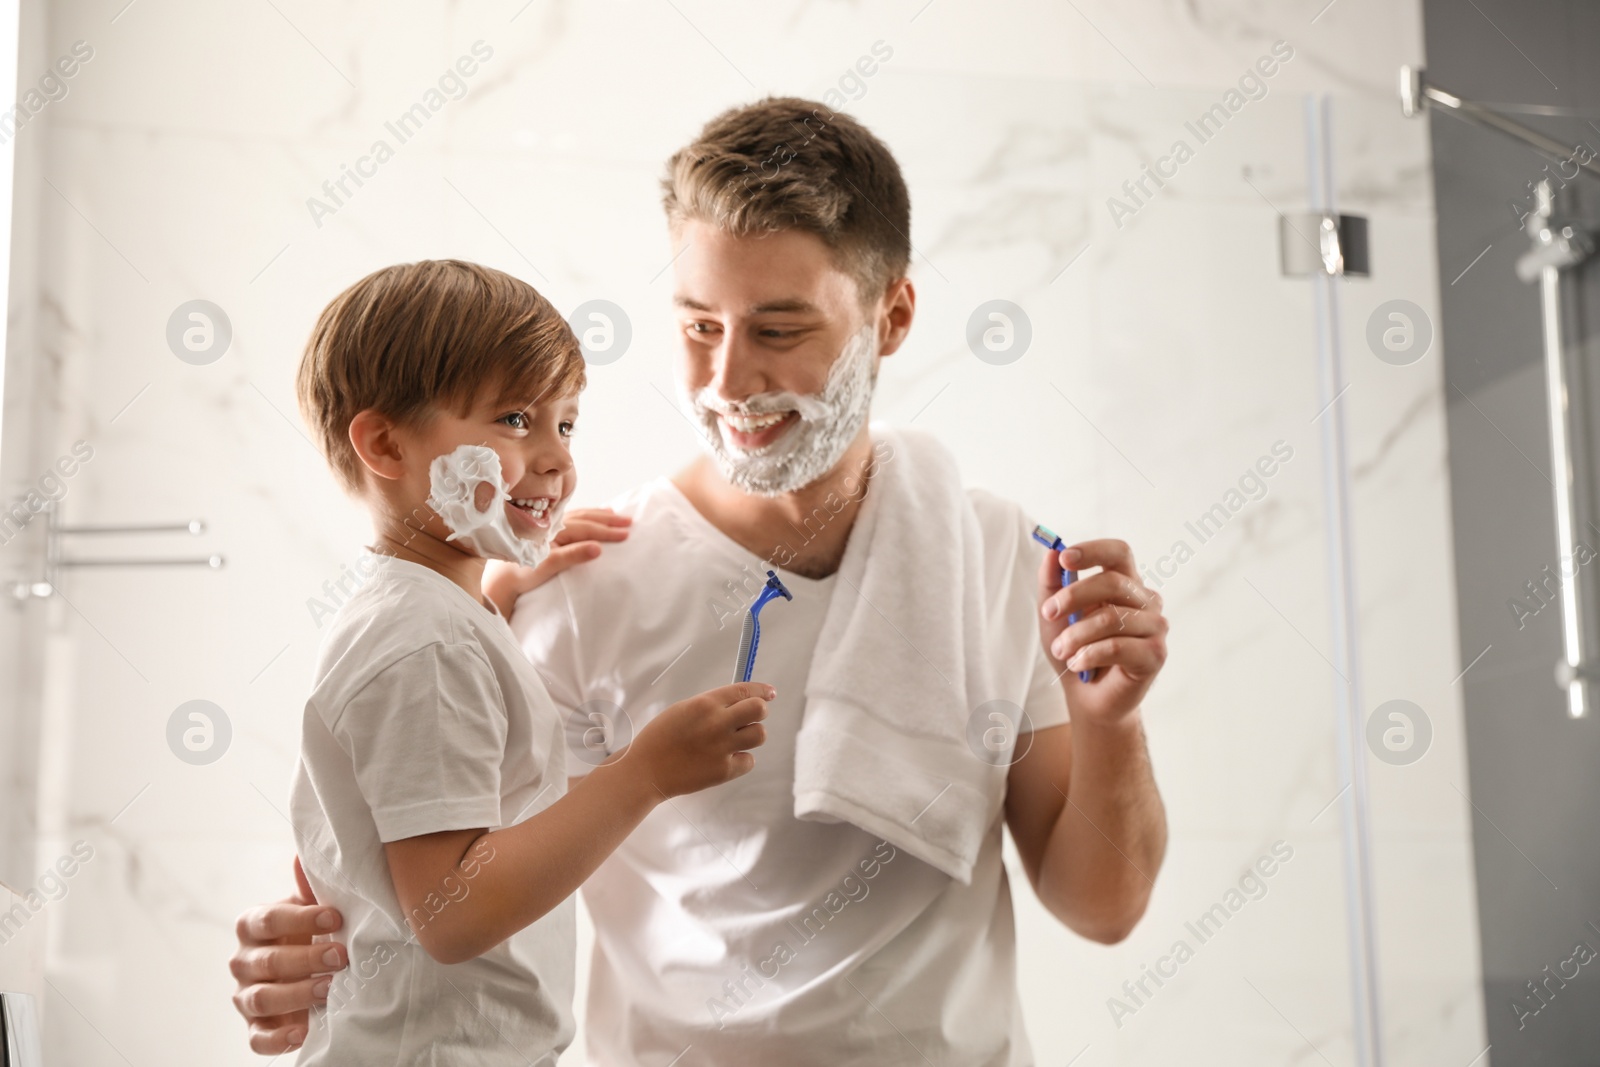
pixel 898 307
pixel 376 439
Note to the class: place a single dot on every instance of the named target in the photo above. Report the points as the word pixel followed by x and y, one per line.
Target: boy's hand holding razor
pixel 519 872
pixel 1104 633
pixel 700 742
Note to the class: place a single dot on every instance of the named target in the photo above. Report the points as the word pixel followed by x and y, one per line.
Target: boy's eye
pixel 567 428
pixel 517 420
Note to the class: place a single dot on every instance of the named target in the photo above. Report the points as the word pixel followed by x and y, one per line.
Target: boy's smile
pixel 531 513
pixel 532 443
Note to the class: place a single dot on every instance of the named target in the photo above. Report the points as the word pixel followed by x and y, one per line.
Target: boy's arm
pixel 465 891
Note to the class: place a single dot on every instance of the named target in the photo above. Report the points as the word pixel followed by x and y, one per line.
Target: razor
pixel 750 637
pixel 1047 537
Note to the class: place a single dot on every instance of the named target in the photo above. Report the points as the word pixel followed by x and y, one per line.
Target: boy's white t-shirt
pixel 426 717
pixel 723 922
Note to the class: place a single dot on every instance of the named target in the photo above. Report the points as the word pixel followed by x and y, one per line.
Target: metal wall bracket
pixel 1316 242
pixel 55 561
pixel 1419 94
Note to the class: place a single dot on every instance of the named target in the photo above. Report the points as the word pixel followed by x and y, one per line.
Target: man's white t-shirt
pixel 723 922
pixel 426 717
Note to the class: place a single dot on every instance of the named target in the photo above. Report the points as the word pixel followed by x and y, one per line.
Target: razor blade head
pixel 776 584
pixel 1048 538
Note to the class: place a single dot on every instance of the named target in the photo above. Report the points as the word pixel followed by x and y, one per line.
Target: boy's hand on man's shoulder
pixel 578 541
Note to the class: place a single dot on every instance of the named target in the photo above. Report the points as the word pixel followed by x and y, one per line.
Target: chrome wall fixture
pixel 56 561
pixel 1559 245
pixel 1315 242
pixel 1557 248
pixel 19 1031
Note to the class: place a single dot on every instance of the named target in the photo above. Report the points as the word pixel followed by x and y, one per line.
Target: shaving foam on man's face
pixel 470 495
pixel 820 426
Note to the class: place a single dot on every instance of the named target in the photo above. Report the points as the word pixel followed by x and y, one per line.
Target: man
pixel 809 912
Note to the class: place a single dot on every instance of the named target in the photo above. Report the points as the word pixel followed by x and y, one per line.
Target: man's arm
pixel 1082 802
pixel 1089 826
pixel 281 974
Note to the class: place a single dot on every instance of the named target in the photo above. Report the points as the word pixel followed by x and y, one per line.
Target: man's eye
pixel 701 327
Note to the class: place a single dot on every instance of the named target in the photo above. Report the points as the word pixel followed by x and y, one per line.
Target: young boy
pixel 430 804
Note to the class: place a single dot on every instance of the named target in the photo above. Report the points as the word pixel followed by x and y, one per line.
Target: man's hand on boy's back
pixel 578 541
pixel 703 741
pixel 281 974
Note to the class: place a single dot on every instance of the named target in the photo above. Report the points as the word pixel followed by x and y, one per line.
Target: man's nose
pixel 736 371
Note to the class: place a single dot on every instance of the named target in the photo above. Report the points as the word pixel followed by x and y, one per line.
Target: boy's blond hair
pixel 444 333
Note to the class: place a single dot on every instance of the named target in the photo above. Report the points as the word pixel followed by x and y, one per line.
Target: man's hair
pixel 786 163
pixel 412 339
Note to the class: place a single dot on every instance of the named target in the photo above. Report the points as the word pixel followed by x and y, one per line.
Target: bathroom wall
pixel 1168 357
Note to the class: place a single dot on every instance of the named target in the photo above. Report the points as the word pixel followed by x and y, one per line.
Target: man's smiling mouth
pixel 750 433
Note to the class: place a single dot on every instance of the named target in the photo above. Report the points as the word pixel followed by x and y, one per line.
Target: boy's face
pixel 533 442
pixel 757 315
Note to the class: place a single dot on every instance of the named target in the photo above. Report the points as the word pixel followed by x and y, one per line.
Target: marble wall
pixel 1168 356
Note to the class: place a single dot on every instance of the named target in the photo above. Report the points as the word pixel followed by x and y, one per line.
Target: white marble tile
pixel 1207 1011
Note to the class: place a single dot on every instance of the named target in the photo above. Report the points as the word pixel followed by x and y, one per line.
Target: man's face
pixel 777 357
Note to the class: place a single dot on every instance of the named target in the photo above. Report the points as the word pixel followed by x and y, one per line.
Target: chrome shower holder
pixel 56 561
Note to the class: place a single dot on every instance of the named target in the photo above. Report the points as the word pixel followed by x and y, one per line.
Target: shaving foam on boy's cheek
pixel 469 494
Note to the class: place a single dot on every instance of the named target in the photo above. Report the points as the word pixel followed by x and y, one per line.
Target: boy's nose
pixel 552 457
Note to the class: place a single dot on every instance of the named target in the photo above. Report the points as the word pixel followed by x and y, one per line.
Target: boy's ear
pixel 376 439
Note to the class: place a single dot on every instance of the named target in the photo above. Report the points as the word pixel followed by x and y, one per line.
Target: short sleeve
pixel 427 737
pixel 1046 704
pixel 1013 565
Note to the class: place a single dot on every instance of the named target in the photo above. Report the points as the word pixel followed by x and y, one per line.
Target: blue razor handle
pixel 1047 537
pixel 750 637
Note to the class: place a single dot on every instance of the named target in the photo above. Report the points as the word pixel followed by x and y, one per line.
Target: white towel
pixel 900 667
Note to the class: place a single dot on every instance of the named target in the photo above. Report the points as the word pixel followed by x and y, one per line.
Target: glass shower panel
pixel 1171 397
pixel 1413 664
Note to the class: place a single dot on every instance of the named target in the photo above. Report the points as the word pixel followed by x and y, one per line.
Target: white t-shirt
pixel 426 717
pixel 723 922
